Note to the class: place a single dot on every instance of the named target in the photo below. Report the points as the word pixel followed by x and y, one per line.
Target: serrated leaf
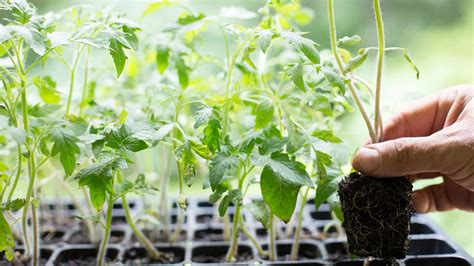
pixel 297 76
pixel 130 36
pixel 280 182
pixel 260 212
pixel 218 167
pixel 304 45
pixel 201 150
pixel 326 135
pixel 163 131
pixel 126 139
pixel 203 116
pixel 99 179
pixel 188 18
pixel 162 58
pixel 350 40
pixel 264 114
pixel 234 196
pixel 66 145
pixel 43 110
pixel 326 186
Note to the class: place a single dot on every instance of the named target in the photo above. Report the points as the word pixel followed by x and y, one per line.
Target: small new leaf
pixel 162 58
pixel 352 40
pixel 326 135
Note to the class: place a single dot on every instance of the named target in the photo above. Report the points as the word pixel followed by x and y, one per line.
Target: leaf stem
pixel 340 63
pixel 272 247
pixel 86 80
pixel 296 241
pixel 252 239
pixel 380 59
pixel 71 81
pixel 105 239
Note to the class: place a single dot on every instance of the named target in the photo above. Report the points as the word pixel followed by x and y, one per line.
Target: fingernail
pixel 367 159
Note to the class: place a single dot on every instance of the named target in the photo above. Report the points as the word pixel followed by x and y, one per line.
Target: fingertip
pixel 420 201
pixel 366 160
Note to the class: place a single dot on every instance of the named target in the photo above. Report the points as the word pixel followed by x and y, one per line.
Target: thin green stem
pixel 86 80
pixel 380 59
pixel 272 247
pixel 17 175
pixel 340 63
pixel 252 239
pixel 105 240
pixel 37 61
pixel 71 81
pixel 153 253
pixel 296 241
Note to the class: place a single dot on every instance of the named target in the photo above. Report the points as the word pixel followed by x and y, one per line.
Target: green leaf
pixel 303 45
pixel 7 243
pixel 162 58
pixel 186 158
pixel 201 150
pixel 126 139
pixel 264 38
pixel 410 61
pixel 188 18
pixel 43 110
pixel 333 78
pixel 352 40
pixel 99 178
pixel 297 76
pixel 203 116
pixel 163 131
pixel 323 105
pixel 234 196
pixel 65 143
pixel 183 71
pixel 118 55
pixel 130 36
pixel 212 132
pixel 218 167
pixel 357 61
pixel 280 182
pixel 47 89
pixel 326 186
pixel 264 114
pixel 326 135
pixel 16 204
pixel 260 212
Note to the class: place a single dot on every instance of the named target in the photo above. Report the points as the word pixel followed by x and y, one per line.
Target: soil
pixel 377 215
pixel 209 234
pixel 52 237
pixel 204 258
pixel 156 237
pixel 167 258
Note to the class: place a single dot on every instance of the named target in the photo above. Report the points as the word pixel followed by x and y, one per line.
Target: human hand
pixel 434 137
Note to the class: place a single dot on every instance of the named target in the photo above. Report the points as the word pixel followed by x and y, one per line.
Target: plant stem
pixel 226 226
pixel 272 247
pixel 235 235
pixel 105 239
pixel 71 81
pixel 252 239
pixel 296 242
pixel 17 175
pixel 340 63
pixel 164 203
pixel 86 80
pixel 380 57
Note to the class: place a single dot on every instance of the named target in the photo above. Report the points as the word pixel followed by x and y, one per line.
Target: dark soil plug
pixel 377 215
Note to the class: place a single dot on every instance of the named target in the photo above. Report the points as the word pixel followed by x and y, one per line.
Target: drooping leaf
pixel 188 162
pixel 260 212
pixel 188 18
pixel 130 36
pixel 201 150
pixel 163 132
pixel 118 55
pixel 66 144
pixel 326 135
pixel 99 178
pixel 212 132
pixel 326 185
pixel 264 38
pixel 183 71
pixel 280 182
pixel 16 204
pixel 234 196
pixel 203 116
pixel 304 45
pixel 297 76
pixel 162 58
pixel 264 114
pixel 410 61
pixel 218 167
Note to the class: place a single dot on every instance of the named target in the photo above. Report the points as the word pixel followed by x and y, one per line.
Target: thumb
pixel 400 157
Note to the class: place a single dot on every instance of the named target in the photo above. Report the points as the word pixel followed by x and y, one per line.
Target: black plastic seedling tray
pixel 201 242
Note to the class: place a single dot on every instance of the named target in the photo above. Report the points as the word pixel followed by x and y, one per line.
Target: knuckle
pixel 403 152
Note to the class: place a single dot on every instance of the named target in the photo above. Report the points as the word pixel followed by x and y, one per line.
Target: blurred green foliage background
pixel 438 33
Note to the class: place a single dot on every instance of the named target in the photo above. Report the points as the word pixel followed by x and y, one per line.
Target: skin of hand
pixel 433 137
